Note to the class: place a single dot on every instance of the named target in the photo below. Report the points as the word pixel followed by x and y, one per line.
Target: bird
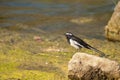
pixel 78 43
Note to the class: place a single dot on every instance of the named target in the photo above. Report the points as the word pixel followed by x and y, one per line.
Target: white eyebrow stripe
pixel 68 34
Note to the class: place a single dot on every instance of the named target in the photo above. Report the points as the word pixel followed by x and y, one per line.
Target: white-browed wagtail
pixel 79 43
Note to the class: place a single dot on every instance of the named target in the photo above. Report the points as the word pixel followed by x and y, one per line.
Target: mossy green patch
pixel 29 75
pixel 23 58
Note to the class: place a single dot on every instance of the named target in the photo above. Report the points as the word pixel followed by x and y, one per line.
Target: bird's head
pixel 68 34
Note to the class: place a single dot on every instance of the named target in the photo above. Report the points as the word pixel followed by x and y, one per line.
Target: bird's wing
pixel 85 45
pixel 75 43
pixel 80 42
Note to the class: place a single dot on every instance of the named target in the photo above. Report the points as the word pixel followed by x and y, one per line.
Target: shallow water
pixel 58 16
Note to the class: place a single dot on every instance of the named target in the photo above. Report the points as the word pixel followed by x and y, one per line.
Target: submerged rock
pixel 84 66
pixel 112 30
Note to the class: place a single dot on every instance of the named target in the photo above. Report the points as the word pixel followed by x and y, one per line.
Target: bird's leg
pixel 78 50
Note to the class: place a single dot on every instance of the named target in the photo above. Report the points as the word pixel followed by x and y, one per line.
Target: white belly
pixel 74 44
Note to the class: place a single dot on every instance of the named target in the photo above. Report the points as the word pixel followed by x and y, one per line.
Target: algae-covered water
pixel 82 17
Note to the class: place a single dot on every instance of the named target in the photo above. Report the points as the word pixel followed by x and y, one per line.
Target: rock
pixel 84 66
pixel 112 30
pixel 37 38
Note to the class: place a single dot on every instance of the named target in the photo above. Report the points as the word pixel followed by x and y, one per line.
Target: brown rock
pixel 84 66
pixel 112 30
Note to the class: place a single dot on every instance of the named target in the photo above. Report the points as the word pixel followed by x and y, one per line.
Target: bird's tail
pixel 102 54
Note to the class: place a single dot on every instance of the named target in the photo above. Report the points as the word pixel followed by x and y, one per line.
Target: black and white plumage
pixel 79 43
